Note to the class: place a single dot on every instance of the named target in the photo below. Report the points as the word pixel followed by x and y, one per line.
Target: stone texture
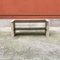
pixel 29 47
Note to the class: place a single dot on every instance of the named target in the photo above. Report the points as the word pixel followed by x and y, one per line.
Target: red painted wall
pixel 29 8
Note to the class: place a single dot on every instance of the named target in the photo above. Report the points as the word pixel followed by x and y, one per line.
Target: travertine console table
pixel 14 28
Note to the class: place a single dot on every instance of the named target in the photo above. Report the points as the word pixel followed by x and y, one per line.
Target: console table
pixel 14 28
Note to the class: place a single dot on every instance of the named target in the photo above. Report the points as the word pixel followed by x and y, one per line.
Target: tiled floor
pixel 30 47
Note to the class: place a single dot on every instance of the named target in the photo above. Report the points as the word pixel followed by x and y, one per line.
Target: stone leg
pixel 47 28
pixel 13 28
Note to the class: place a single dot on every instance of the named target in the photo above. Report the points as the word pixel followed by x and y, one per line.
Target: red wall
pixel 29 8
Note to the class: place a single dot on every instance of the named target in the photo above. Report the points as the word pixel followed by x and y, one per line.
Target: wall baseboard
pixel 5 29
pixel 8 29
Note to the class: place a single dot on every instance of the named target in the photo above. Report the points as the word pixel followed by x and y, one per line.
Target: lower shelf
pixel 30 33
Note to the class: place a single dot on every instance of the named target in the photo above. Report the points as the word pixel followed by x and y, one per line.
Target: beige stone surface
pixel 30 47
